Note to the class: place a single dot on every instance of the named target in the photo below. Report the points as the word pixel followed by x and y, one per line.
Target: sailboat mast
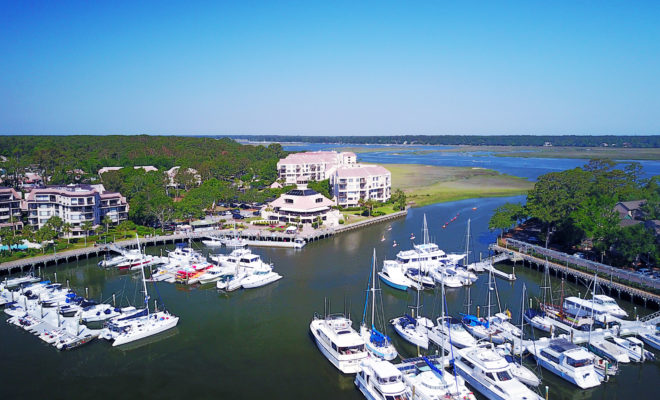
pixel 144 280
pixel 442 320
pixel 467 245
pixel 593 293
pixel 373 290
pixel 490 275
pixel 522 322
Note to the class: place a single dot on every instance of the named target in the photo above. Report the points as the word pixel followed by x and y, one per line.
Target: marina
pixel 322 269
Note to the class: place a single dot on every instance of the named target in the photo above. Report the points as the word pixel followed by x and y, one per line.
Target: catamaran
pixel 142 324
pixel 339 342
pixel 635 348
pixel 378 344
pixel 380 380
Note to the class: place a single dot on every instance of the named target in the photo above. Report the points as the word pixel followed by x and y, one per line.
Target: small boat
pixel 414 329
pixel 652 339
pixel 389 228
pixel 339 342
pixel 394 244
pixel 382 239
pixel 480 328
pixel 412 236
pixel 609 350
pixel 635 349
pixel 474 208
pixel 393 275
pixel 416 275
pixel 212 242
pixel 380 380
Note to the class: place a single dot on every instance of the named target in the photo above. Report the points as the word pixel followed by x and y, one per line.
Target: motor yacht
pixel 393 275
pixel 339 342
pixel 569 361
pixel 600 306
pixel 260 277
pixel 380 380
pixel 635 348
pixel 490 374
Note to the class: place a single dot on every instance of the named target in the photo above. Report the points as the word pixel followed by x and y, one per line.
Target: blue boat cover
pixel 408 320
pixel 378 338
pixel 432 366
pixel 472 320
pixel 136 315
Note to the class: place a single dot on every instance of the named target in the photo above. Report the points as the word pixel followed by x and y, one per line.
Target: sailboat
pixel 536 317
pixel 481 328
pixel 450 331
pixel 413 328
pixel 144 324
pixel 378 344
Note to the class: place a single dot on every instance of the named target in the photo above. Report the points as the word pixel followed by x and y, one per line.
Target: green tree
pixel 398 198
pixel 86 227
pixel 636 243
pixel 106 221
pixel 55 223
pixel 322 187
pixel 506 216
pixel 8 238
pixel 66 229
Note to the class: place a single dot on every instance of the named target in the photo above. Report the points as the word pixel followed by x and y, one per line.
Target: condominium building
pixel 10 208
pixel 312 166
pixel 350 184
pixel 74 204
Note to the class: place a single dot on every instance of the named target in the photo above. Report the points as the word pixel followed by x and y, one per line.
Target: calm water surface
pixel 530 168
pixel 255 344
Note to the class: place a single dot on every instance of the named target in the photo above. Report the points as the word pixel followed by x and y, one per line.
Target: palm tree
pixel 87 226
pixel 106 221
pixel 66 229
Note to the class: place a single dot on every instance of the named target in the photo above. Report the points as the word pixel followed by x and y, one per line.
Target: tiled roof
pixel 361 171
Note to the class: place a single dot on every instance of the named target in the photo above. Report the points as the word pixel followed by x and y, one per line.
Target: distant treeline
pixel 455 140
pixel 212 158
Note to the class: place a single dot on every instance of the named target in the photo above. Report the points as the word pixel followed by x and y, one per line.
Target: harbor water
pixel 255 343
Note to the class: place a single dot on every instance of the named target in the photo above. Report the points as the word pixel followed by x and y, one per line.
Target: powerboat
pixel 393 275
pixel 502 321
pixel 339 342
pixel 635 348
pixel 380 380
pixel 609 350
pixel 600 306
pixel 569 361
pixel 481 328
pixel 651 338
pixel 260 277
pixel 490 374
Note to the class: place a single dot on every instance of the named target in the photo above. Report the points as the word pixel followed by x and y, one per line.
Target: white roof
pixel 385 369
pixel 361 171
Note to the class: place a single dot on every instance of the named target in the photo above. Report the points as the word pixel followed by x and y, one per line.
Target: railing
pixel 594 267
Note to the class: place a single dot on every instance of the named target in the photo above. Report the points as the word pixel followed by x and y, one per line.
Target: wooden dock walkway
pixel 521 250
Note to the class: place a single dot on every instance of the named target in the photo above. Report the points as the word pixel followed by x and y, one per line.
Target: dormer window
pixel 290 201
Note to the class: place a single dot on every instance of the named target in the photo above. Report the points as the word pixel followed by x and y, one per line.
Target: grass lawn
pixel 427 184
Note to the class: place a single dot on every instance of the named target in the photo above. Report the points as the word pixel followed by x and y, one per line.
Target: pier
pixel 252 235
pixel 560 263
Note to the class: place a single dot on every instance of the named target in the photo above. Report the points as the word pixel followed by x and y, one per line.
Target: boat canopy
pixel 472 320
pixel 378 338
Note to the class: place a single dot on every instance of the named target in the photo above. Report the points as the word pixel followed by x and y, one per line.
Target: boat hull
pixel 392 284
pixel 124 339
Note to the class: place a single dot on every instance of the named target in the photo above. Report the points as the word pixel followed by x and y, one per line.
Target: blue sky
pixel 329 68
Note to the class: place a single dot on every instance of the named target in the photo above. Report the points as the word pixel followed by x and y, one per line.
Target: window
pixel 289 201
pixel 319 200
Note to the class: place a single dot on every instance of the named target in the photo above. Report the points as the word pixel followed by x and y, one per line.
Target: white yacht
pixel 427 378
pixel 609 350
pixel 571 362
pixel 19 280
pixel 393 275
pixel 490 374
pixel 339 342
pixel 380 380
pixel 413 329
pixel 447 276
pixel 635 348
pixel 601 305
pixel 538 320
pixel 260 277
pixel 451 331
pixel 212 242
pixel 502 321
pixel 111 262
pixel 378 344
pixel 652 339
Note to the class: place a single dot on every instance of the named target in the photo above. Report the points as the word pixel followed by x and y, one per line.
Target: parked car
pixel 238 216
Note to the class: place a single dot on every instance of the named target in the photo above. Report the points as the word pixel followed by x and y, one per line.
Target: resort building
pixel 301 206
pixel 74 204
pixel 312 166
pixel 350 184
pixel 10 208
